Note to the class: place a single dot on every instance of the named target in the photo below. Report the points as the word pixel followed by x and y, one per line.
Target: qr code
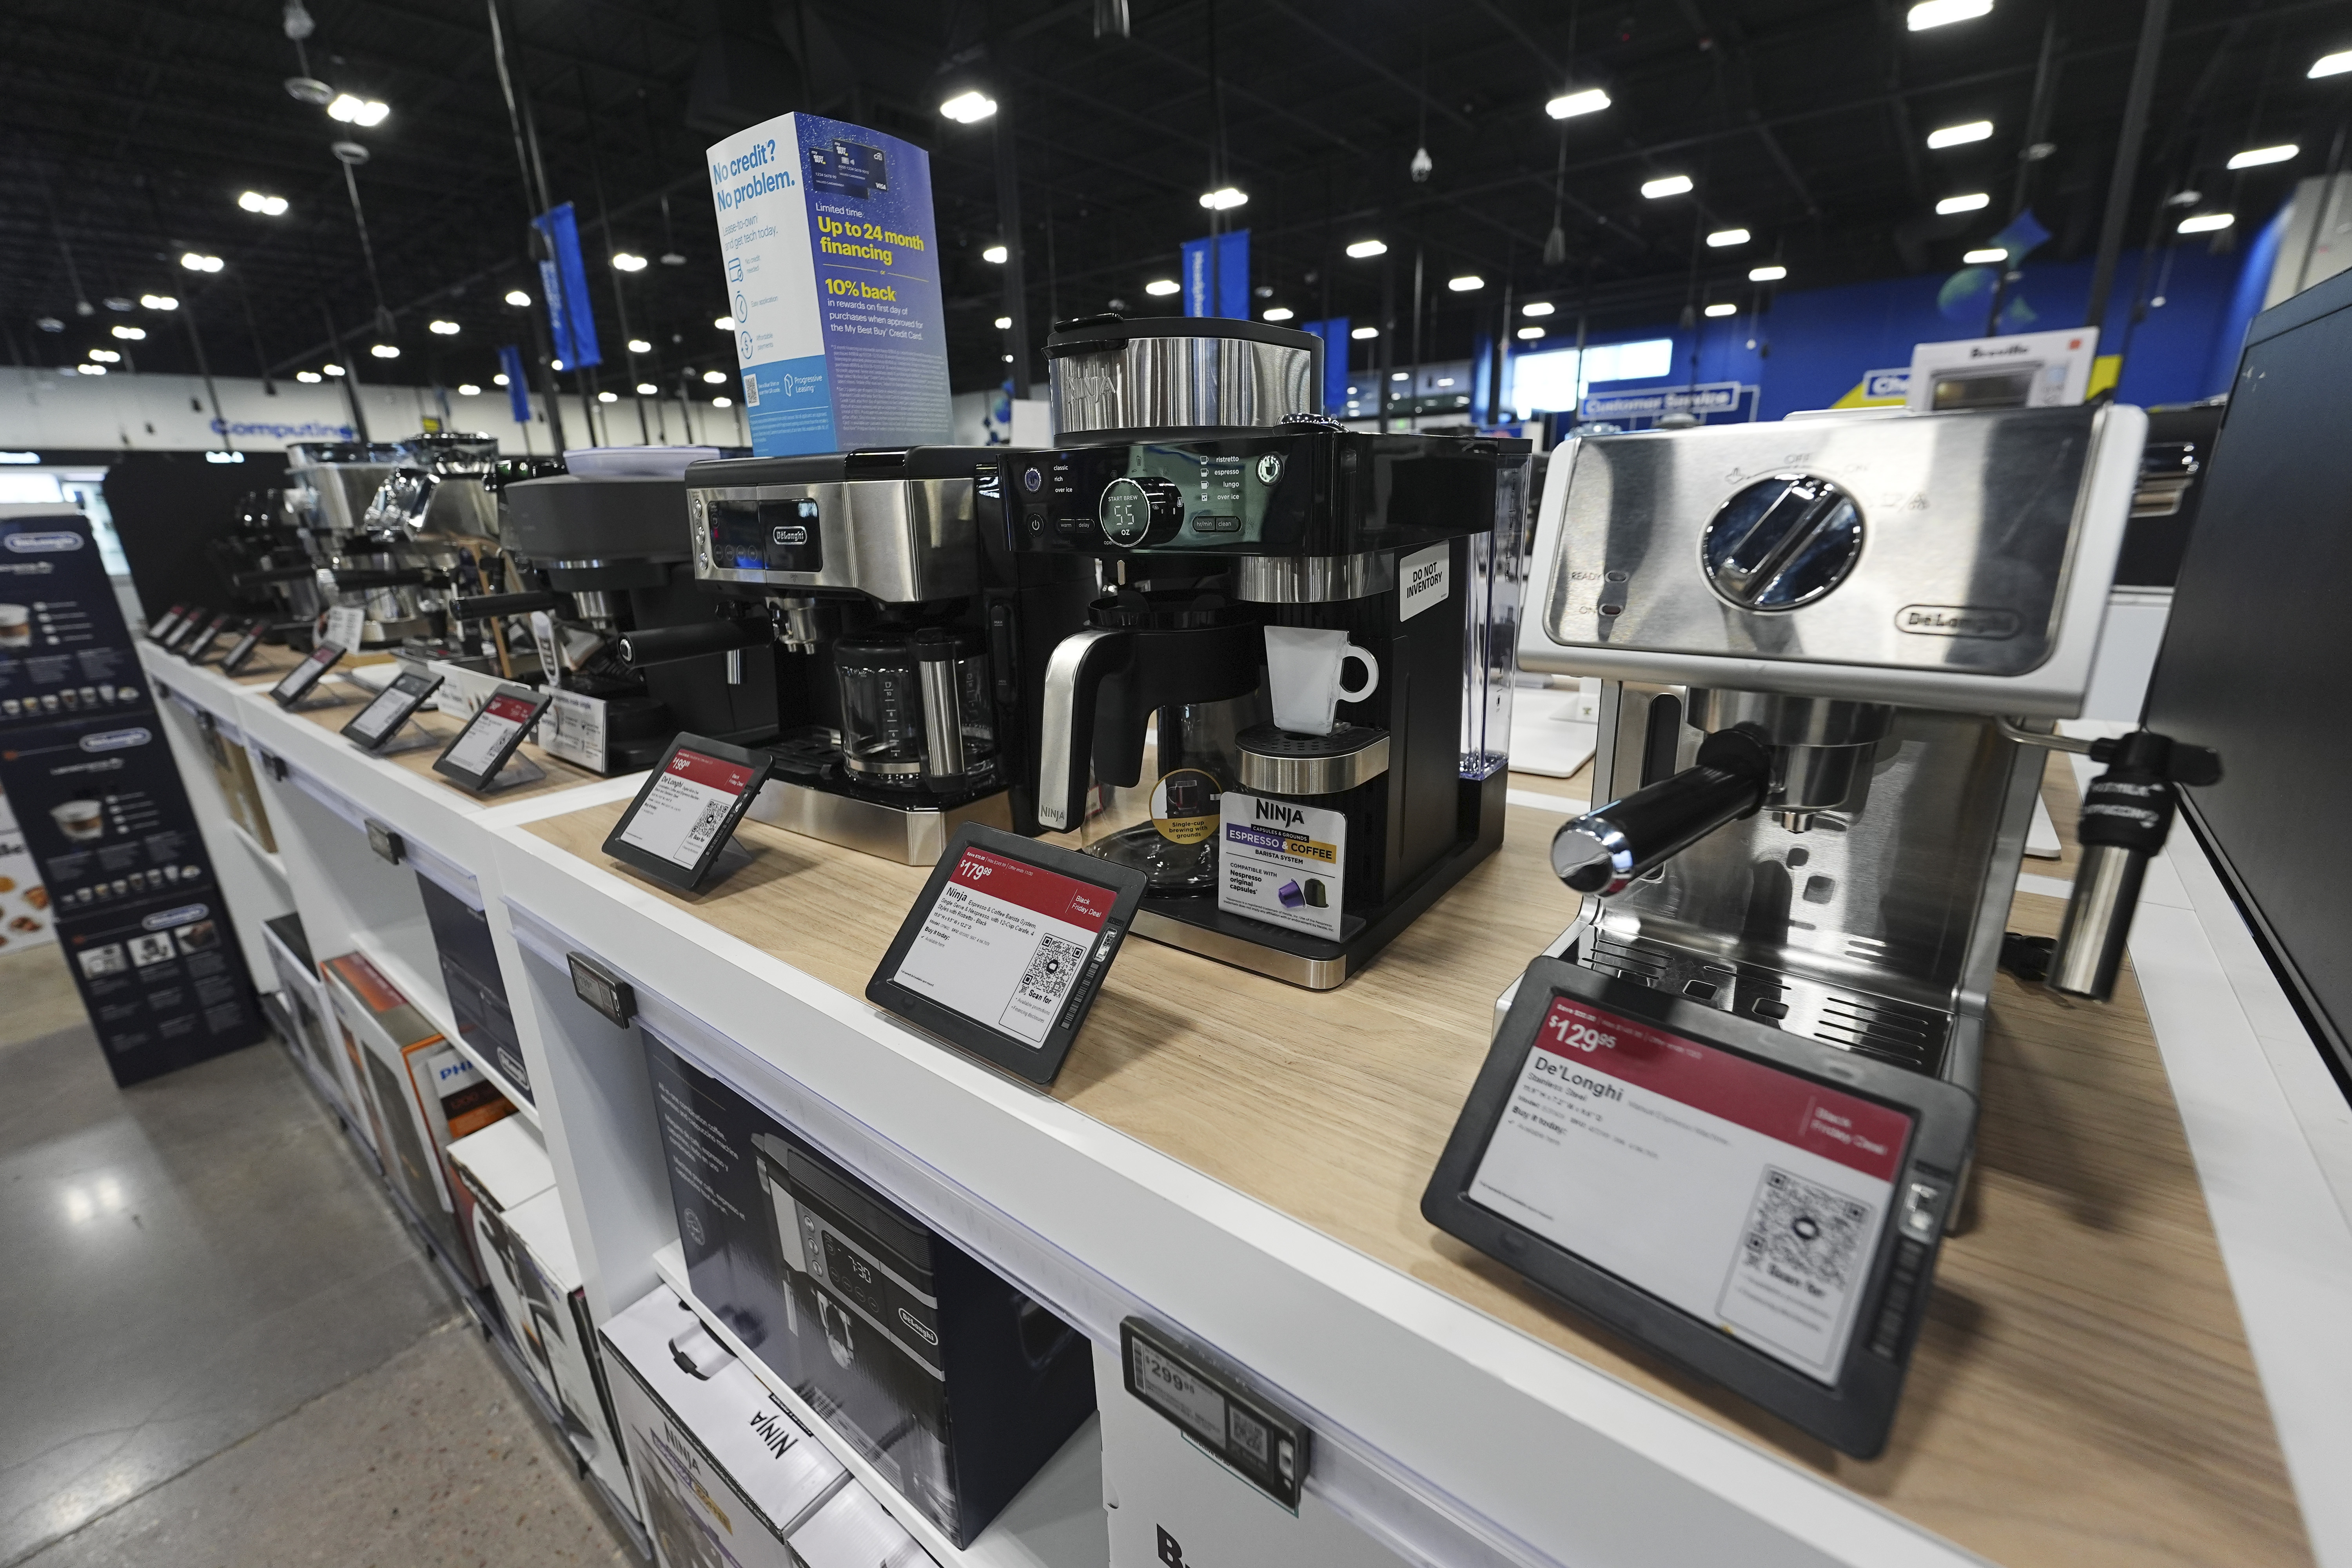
pixel 751 392
pixel 1052 967
pixel 1804 1233
pixel 706 825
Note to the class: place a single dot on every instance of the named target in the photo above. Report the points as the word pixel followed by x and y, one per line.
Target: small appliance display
pixel 951 1382
pixel 1757 1206
pixel 1006 946
pixel 295 687
pixel 482 757
pixel 372 729
pixel 684 816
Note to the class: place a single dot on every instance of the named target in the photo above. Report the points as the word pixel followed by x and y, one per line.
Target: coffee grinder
pixel 1831 651
pixel 1222 516
pixel 888 633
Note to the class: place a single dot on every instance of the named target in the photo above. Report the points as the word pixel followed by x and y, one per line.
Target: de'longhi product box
pixel 833 281
pixel 949 1380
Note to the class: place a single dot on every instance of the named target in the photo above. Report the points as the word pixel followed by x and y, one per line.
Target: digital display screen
pixel 766 536
pixel 493 733
pixel 305 675
pixel 1005 944
pixel 683 810
pixel 1749 1196
pixel 391 707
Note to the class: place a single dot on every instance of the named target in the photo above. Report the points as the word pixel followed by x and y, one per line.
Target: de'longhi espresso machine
pixel 1245 549
pixel 1831 650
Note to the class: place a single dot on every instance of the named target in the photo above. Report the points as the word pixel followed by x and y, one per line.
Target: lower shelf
pixel 1057 1521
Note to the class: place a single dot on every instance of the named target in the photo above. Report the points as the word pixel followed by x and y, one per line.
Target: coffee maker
pixel 392 529
pixel 1218 508
pixel 1831 650
pixel 602 557
pixel 886 633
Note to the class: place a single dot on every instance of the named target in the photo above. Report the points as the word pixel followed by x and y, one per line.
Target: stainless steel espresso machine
pixel 1226 520
pixel 1830 649
pixel 394 529
pixel 889 631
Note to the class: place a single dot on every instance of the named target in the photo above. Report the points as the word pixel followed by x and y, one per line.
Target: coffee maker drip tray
pixel 1903 1033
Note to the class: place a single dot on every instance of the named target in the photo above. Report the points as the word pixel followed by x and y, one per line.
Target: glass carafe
pixel 1166 824
pixel 915 712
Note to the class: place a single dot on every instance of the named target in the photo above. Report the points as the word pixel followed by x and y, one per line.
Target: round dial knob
pixel 1783 542
pixel 1140 510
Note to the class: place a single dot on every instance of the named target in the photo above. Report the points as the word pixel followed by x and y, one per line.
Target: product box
pixel 308 1014
pixel 1172 1502
pixel 478 990
pixel 556 1333
pixel 499 1169
pixel 832 282
pixel 2024 370
pixel 240 790
pixel 423 1093
pixel 954 1384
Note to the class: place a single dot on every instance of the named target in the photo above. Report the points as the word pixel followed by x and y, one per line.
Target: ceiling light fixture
pixel 1468 283
pixel 195 261
pixel 352 110
pixel 1537 308
pixel 2335 64
pixel 1772 274
pixel 1160 288
pixel 1671 185
pixel 608 397
pixel 516 297
pixel 1992 254
pixel 159 301
pixel 1364 249
pixel 333 369
pixel 627 262
pixel 639 346
pixel 725 324
pixel 105 357
pixel 969 108
pixel 555 364
pixel 87 369
pixel 131 334
pixel 1975 201
pixel 1529 334
pixel 1003 323
pixel 1943 13
pixel 647 389
pixel 2256 157
pixel 1363 334
pixel 499 380
pixel 309 377
pixel 468 389
pixel 1224 198
pixel 1723 309
pixel 1585 100
pixel 1723 237
pixel 442 329
pixel 715 377
pixel 384 350
pixel 996 255
pixel 722 403
pixel 1280 314
pixel 2206 223
pixel 1399 375
pixel 1961 135
pixel 268 206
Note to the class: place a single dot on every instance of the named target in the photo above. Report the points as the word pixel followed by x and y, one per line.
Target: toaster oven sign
pixel 766 536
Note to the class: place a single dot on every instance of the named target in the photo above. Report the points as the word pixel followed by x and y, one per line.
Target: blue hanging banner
pixel 1216 280
pixel 518 384
pixel 1334 333
pixel 564 279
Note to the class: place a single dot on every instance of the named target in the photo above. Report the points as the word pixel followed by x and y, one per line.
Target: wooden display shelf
pixel 2083 1392
pixel 442 727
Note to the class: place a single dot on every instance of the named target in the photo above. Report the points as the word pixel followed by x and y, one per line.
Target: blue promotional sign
pixel 1334 333
pixel 565 281
pixel 518 384
pixel 830 251
pixel 1216 280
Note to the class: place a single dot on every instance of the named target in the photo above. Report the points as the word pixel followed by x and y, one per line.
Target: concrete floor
pixel 224 1347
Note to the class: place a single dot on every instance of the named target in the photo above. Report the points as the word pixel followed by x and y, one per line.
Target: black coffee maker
pixel 1222 507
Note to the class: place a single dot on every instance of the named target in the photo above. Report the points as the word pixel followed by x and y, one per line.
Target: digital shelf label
pixel 1006 947
pixel 1758 1205
pixel 393 708
pixel 299 680
pixel 687 810
pixel 483 746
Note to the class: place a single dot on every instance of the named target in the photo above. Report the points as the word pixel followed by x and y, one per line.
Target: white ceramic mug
pixel 1302 669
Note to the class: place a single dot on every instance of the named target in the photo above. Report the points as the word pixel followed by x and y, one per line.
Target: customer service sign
pixel 832 282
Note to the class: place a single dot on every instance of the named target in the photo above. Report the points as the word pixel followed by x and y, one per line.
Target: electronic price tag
pixel 1217 1409
pixel 346 625
pixel 164 630
pixel 485 748
pixel 241 651
pixel 1006 947
pixel 685 814
pixel 185 632
pixel 202 645
pixel 296 683
pixel 1759 1207
pixel 374 726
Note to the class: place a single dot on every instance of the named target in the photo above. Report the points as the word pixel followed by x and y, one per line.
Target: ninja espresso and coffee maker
pixel 1287 703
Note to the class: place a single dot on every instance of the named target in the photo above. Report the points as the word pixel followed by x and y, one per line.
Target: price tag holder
pixel 346 625
pixel 685 814
pixel 482 757
pixel 1759 1207
pixel 1006 947
pixel 204 642
pixel 185 632
pixel 1217 1409
pixel 240 652
pixel 164 630
pixel 373 727
pixel 296 686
